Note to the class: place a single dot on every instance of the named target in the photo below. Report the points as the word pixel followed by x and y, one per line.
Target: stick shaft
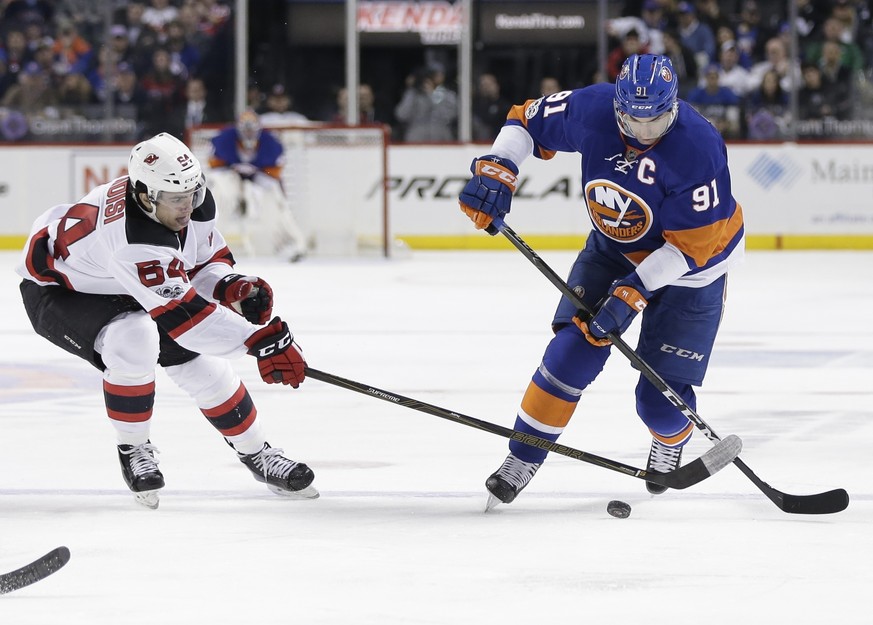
pixel 684 476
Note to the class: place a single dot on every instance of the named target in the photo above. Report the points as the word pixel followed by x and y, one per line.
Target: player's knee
pixel 209 380
pixel 572 360
pixel 657 412
pixel 130 343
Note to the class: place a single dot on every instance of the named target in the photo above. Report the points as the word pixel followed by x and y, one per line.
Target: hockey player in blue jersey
pixel 246 177
pixel 666 229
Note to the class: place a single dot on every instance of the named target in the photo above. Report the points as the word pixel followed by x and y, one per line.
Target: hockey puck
pixel 618 509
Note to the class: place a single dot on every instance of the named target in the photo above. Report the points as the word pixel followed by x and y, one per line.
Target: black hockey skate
pixel 281 475
pixel 662 459
pixel 141 474
pixel 509 480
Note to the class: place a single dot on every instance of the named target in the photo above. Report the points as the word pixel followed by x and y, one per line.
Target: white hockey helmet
pixel 163 163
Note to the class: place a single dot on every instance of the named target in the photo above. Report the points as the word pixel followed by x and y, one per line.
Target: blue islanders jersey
pixel 227 149
pixel 676 192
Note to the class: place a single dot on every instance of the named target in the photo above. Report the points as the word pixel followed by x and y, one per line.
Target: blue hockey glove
pixel 627 297
pixel 489 192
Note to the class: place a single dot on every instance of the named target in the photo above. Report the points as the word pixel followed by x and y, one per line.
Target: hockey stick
pixel 35 571
pixel 819 503
pixel 696 471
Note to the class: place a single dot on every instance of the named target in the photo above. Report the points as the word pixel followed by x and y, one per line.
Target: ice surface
pixel 399 535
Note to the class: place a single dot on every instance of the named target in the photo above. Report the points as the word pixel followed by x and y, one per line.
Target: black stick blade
pixel 710 463
pixel 37 570
pixel 830 502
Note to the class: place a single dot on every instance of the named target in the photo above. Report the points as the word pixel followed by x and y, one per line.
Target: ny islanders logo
pixel 616 212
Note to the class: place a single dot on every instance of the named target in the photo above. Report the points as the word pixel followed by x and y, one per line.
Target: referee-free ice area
pixel 398 535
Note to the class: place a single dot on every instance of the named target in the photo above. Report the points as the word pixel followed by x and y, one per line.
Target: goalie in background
pixel 246 168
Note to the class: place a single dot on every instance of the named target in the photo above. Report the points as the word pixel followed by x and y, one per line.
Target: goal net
pixel 335 182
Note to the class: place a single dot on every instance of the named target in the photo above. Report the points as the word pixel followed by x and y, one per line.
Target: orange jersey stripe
pixel 546 408
pixel 701 244
pixel 517 113
pixel 676 438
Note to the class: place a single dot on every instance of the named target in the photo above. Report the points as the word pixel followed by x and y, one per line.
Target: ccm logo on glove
pixel 279 358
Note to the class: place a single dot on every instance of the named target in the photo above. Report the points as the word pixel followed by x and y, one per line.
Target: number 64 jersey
pixel 105 244
pixel 674 194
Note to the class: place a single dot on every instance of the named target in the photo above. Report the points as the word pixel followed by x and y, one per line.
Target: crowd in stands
pixel 152 67
pixel 62 67
pixel 736 65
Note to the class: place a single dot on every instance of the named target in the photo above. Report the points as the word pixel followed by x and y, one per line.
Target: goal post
pixel 335 179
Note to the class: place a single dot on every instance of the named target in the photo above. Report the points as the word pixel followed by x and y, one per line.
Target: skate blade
pixel 492 502
pixel 148 498
pixel 304 493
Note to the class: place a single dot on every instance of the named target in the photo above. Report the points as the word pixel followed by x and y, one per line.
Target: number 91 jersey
pixel 675 192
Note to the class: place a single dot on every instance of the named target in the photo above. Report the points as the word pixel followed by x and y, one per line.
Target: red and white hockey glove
pixel 250 296
pixel 279 358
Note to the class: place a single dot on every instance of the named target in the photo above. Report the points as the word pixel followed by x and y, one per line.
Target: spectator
pixel 712 14
pixel 731 74
pixel 750 34
pixel 427 110
pixel 549 85
pixel 724 35
pixel 630 44
pixel 72 52
pixel 836 76
pixel 32 93
pixel 684 62
pixel 119 43
pixel 75 91
pixel 695 35
pixel 650 26
pixel 717 103
pixel 489 109
pixel 195 32
pixel 164 90
pixel 767 109
pixel 255 98
pixel 850 54
pixel 6 78
pixel 158 14
pixel 127 89
pixel 17 53
pixel 22 12
pixel 44 56
pixel 817 101
pixel 367 113
pixel 278 109
pixel 198 109
pixel 776 60
pixel 180 48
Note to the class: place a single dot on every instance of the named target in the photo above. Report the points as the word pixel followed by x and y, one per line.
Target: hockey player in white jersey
pixel 136 274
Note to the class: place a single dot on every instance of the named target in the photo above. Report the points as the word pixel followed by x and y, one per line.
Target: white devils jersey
pixel 105 244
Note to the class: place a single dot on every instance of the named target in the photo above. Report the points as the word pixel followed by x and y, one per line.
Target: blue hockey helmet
pixel 646 97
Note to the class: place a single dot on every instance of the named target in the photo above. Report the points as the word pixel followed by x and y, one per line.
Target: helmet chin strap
pixel 151 214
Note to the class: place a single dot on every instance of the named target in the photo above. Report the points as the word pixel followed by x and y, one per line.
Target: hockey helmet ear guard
pixel 646 97
pixel 163 163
